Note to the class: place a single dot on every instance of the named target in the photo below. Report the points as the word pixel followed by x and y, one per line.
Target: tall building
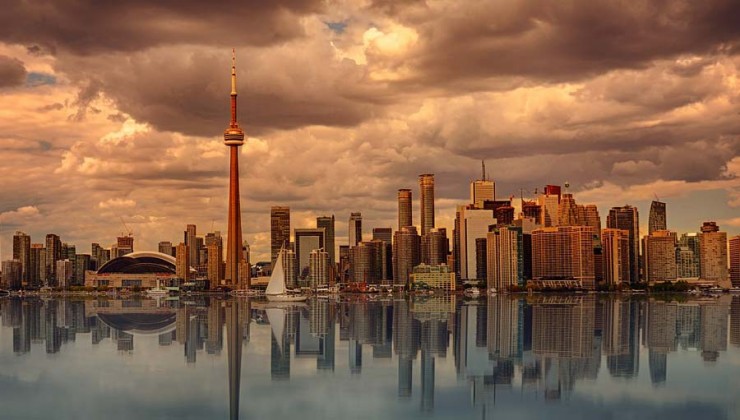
pixel 64 273
pixel 22 253
pixel 713 251
pixel 659 251
pixel 306 240
pixel 233 138
pixel 568 211
pixel 165 247
pixel 355 228
pixel 590 217
pixel 12 272
pixel 215 264
pixel 505 258
pixel 82 264
pixel 190 237
pixel 689 256
pixel 182 261
pixel 37 267
pixel 482 190
pixel 426 189
pixel 406 254
pixel 471 224
pixel 657 218
pixel 434 247
pixel 564 253
pixel 616 256
pixel 627 218
pixel 735 261
pixel 366 260
pixel 53 254
pixel 405 214
pixel 290 269
pixel 318 268
pixel 549 206
pixel 279 230
pixel 386 236
pixel 327 223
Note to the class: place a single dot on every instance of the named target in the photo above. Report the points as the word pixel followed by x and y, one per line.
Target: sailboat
pixel 276 291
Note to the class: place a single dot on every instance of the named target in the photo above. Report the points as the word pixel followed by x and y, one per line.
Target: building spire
pixel 483 170
pixel 233 71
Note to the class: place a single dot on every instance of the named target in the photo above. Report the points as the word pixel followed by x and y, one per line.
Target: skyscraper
pixel 189 237
pixel 404 208
pixel 182 261
pixel 627 218
pixel 713 250
pixel 616 252
pixel 689 256
pixel 279 230
pixel 659 251
pixel 355 229
pixel 307 240
pixel 233 138
pixel 657 218
pixel 37 267
pixel 426 189
pixel 549 209
pixel 318 267
pixel 564 253
pixel 327 223
pixel 434 247
pixel 568 211
pixel 505 258
pixel 482 190
pixel 471 224
pixel 165 247
pixel 406 254
pixel 53 254
pixel 22 253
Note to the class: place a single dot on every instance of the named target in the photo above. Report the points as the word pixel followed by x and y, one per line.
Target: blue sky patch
pixel 40 79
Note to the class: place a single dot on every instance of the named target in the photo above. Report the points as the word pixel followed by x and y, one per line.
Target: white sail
pixel 276 286
pixel 277 323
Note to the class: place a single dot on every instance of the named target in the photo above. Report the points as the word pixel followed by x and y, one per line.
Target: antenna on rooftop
pixel 483 170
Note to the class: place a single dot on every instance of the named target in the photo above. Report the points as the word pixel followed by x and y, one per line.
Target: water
pixel 560 357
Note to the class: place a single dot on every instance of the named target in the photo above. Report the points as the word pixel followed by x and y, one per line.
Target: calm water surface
pixel 560 357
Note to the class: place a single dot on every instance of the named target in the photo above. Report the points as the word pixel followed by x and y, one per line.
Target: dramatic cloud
pixel 115 111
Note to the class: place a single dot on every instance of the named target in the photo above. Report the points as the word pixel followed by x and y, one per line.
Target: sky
pixel 115 111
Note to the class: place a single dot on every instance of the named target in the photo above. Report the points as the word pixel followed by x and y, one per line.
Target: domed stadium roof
pixel 140 263
pixel 141 323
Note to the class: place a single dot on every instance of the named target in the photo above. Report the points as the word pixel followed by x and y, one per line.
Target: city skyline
pixel 121 124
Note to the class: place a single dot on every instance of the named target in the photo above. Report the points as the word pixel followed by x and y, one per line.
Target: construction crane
pixel 128 231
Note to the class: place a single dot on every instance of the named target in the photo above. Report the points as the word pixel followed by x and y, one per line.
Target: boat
pixel 472 292
pixel 276 290
pixel 492 291
pixel 159 290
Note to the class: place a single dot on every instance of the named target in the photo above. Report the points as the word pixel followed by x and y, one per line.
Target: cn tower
pixel 233 138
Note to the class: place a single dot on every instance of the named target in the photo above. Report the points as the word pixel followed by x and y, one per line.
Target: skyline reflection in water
pixel 432 357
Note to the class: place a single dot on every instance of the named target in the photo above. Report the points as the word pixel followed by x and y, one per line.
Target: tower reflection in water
pixel 535 348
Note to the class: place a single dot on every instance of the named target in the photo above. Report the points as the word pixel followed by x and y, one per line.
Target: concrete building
pixel 735 261
pixel 563 255
pixel 549 204
pixel 657 219
pixel 22 253
pixel 354 231
pixel 279 230
pixel 64 273
pixel 306 240
pixel 143 270
pixel 327 223
pixel 505 258
pixel 12 274
pixel 568 211
pixel 318 269
pixel 426 189
pixel 182 262
pixel 471 224
pixel 164 247
pixel 627 218
pixel 405 213
pixel 434 247
pixel 433 276
pixel 53 254
pixel 659 251
pixel 616 256
pixel 689 256
pixel 406 254
pixel 713 253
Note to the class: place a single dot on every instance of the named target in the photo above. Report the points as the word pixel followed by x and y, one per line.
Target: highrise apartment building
pixel 713 251
pixel 657 219
pixel 279 230
pixel 564 253
pixel 426 189
pixel 627 218
pixel 659 251
pixel 615 245
pixel 505 258
pixel 354 231
pixel 327 223
pixel 405 213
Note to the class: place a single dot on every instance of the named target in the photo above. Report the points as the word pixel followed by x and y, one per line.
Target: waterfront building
pixel 37 267
pixel 713 253
pixel 143 270
pixel 657 219
pixel 438 276
pixel 689 256
pixel 627 218
pixel 64 273
pixel 405 214
pixel 386 236
pixel 327 223
pixel 279 230
pixel 426 189
pixel 615 252
pixel 22 253
pixel 355 228
pixel 12 274
pixel 659 251
pixel 505 258
pixel 81 266
pixel 406 254
pixel 735 261
pixel 366 260
pixel 563 255
pixel 290 269
pixel 189 236
pixel 215 264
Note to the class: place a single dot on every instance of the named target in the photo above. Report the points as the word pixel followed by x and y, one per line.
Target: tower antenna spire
pixel 483 169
